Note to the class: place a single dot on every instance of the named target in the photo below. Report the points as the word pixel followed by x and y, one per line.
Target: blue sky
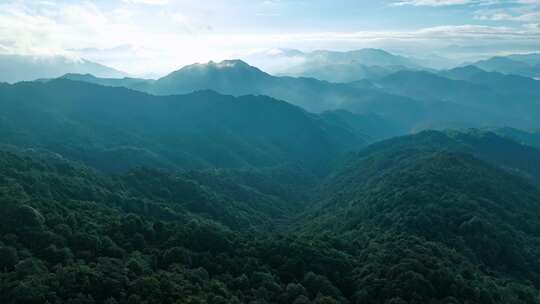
pixel 156 36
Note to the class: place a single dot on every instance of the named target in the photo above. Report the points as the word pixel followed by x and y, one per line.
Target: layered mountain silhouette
pixel 235 77
pixel 524 65
pixel 343 72
pixel 125 82
pixel 116 128
pixel 411 100
pixel 220 183
pixel 17 68
pixel 531 138
pixel 472 97
pixel 336 66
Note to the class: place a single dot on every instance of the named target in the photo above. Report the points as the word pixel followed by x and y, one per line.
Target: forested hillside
pixel 416 219
pixel 270 152
pixel 111 195
pixel 115 129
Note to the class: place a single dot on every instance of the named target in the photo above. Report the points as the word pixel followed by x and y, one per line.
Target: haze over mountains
pixel 402 93
pixel 17 68
pixel 332 66
pixel 356 177
pixel 523 65
pixel 129 129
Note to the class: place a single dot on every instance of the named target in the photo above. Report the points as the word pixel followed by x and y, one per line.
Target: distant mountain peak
pixel 26 68
pixel 463 72
pixel 77 75
pixel 372 50
pixel 509 65
pixel 234 63
pixel 468 68
pixel 231 64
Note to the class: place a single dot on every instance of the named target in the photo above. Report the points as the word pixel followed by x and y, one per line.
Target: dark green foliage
pixel 438 217
pixel 8 258
pixel 370 127
pixel 143 236
pixel 400 225
pixel 429 216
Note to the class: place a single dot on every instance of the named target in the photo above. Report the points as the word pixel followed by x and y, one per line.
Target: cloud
pixel 433 2
pixel 523 11
pixel 441 3
pixel 160 38
pixel 148 2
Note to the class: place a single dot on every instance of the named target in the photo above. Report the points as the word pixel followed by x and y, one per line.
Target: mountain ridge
pixel 28 68
pixel 166 130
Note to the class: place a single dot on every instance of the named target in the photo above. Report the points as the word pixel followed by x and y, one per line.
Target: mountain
pixel 409 220
pixel 466 73
pixel 531 59
pixel 507 65
pixel 237 78
pixel 17 68
pixel 428 86
pixel 498 150
pixel 115 129
pixel 343 72
pixel 126 82
pixel 371 57
pixel 411 100
pixel 349 66
pixel 370 127
pixel 510 85
pixel 417 204
pixel 229 77
pixel 531 138
pixel 470 96
pixel 370 62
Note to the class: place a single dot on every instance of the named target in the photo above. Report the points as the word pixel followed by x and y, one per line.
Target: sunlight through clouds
pixel 155 36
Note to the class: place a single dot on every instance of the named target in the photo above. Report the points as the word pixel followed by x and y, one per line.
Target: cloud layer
pixel 155 36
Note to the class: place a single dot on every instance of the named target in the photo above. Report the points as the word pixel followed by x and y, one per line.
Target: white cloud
pixel 160 39
pixel 148 2
pixel 433 2
pixel 524 11
pixel 439 3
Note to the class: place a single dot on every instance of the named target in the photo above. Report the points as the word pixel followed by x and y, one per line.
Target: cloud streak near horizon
pixel 155 36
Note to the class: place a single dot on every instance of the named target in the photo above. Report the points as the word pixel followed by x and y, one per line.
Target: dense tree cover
pixel 397 225
pixel 109 195
pixel 370 127
pixel 115 129
pixel 501 151
pixel 408 186
pixel 72 235
pixel 239 199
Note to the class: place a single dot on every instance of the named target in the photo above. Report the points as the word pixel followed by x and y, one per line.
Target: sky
pixel 152 37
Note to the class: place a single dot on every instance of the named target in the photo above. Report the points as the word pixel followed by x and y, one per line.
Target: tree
pixel 8 258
